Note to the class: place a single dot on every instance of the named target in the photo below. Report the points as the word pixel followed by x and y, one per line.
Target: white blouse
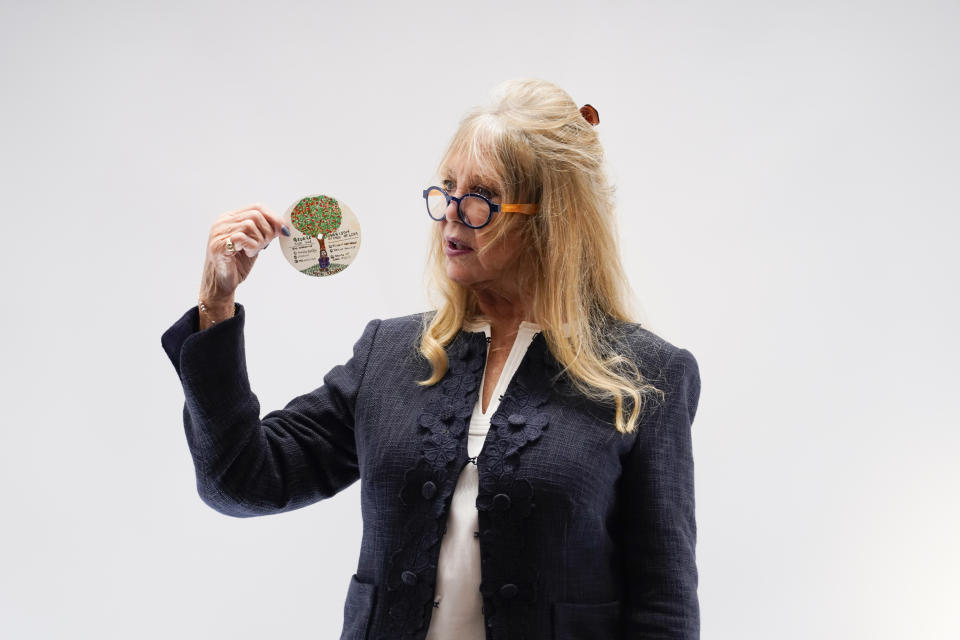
pixel 457 598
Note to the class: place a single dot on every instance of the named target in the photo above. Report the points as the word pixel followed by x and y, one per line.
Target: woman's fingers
pixel 269 224
pixel 272 221
pixel 256 221
pixel 248 230
pixel 241 242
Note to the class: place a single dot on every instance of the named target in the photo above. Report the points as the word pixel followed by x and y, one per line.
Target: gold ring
pixel 230 248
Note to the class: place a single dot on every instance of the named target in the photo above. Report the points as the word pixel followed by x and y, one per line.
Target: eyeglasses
pixel 473 209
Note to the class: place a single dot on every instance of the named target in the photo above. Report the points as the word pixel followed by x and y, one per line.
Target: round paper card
pixel 324 236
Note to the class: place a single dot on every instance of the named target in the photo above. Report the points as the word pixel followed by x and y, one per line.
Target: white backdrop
pixel 788 201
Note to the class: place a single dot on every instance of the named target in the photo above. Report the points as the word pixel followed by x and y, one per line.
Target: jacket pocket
pixel 357 609
pixel 580 621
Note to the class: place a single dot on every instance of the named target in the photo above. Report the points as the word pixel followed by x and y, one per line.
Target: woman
pixel 524 450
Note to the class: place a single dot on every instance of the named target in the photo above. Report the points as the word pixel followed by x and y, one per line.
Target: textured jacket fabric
pixel 585 533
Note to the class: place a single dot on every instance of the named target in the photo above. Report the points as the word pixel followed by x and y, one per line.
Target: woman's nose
pixel 451 212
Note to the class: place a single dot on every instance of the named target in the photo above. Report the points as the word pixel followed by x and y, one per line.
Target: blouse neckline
pixel 526 333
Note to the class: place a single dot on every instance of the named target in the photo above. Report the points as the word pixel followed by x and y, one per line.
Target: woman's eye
pixel 483 191
pixel 448 185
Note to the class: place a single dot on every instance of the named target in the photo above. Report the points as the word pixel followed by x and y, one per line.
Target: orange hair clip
pixel 590 114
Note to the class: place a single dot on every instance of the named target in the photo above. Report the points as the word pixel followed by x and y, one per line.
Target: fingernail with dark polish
pixel 285 230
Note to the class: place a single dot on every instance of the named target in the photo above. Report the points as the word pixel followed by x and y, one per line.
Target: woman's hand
pixel 236 238
pixel 250 229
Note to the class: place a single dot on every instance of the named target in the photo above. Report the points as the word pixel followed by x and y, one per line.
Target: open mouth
pixel 457 246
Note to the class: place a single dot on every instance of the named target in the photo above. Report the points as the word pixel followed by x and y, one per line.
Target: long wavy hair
pixel 533 143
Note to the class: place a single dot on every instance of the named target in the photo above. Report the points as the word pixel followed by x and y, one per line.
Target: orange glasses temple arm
pixel 519 208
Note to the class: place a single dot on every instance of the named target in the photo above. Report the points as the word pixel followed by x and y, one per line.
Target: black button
pixel 428 490
pixel 508 590
pixel 409 578
pixel 501 502
pixel 476 534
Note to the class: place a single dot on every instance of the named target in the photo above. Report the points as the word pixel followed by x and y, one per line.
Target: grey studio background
pixel 787 176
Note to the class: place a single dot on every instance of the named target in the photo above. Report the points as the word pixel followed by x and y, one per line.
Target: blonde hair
pixel 533 142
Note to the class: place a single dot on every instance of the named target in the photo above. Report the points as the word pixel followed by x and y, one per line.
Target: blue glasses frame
pixel 526 209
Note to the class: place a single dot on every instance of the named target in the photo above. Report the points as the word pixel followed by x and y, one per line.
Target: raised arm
pixel 248 466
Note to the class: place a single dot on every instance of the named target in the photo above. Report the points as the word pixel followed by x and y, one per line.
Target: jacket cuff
pixel 185 337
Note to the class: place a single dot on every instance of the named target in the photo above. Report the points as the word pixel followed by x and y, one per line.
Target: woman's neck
pixel 504 315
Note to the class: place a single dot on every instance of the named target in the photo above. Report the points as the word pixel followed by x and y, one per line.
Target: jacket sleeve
pixel 660 527
pixel 248 466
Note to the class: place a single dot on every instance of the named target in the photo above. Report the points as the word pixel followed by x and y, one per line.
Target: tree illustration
pixel 316 217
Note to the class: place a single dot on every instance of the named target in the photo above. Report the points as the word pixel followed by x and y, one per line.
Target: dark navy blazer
pixel 584 532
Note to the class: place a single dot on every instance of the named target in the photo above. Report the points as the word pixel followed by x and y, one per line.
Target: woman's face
pixel 495 270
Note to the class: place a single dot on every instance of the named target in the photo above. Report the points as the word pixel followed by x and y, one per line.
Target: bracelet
pixel 203 308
